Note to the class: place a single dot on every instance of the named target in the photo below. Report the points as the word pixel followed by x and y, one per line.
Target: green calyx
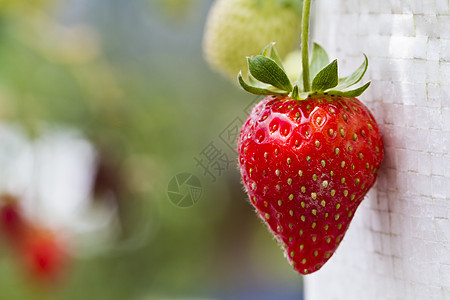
pixel 268 77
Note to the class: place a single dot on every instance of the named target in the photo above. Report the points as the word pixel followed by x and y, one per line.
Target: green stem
pixel 305 42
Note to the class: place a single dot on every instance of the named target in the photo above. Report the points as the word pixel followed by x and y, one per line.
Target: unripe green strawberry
pixel 293 64
pixel 237 28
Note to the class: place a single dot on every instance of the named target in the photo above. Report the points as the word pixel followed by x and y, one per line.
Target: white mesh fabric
pixel 398 245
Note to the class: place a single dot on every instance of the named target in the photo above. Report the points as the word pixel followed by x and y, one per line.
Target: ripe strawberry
pixel 292 64
pixel 307 159
pixel 12 222
pixel 237 27
pixel 44 255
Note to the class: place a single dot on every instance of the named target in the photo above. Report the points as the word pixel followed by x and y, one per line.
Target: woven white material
pixel 398 245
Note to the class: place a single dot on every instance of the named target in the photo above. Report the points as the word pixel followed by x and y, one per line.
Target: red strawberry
pixel 44 255
pixel 12 222
pixel 307 158
pixel 306 166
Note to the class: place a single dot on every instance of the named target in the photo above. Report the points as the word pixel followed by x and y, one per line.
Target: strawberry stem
pixel 305 42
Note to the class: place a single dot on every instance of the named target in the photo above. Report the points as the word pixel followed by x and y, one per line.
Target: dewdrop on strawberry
pixel 235 28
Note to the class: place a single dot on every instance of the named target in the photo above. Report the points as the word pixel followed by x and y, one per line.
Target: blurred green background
pixel 127 79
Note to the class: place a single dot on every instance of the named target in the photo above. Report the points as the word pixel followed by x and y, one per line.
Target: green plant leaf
pixel 318 61
pixel 352 93
pixel 258 90
pixel 355 77
pixel 267 70
pixel 327 78
pixel 270 51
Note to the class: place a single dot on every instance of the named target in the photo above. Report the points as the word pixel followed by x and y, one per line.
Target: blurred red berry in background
pixel 12 222
pixel 44 255
pixel 41 251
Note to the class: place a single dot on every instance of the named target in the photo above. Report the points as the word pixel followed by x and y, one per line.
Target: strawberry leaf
pixel 271 52
pixel 353 78
pixel 352 93
pixel 267 70
pixel 327 78
pixel 258 90
pixel 318 61
pixel 267 76
pixel 252 81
